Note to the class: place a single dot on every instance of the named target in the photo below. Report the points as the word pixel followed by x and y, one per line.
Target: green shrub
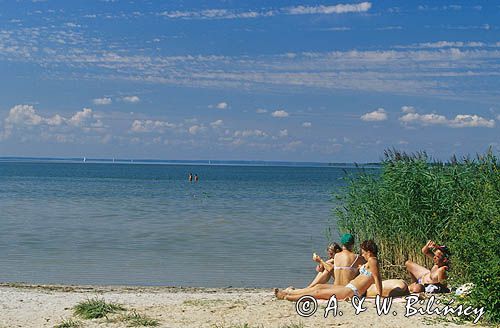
pixel 411 200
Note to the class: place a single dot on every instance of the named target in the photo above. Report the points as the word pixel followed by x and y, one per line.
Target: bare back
pixel 346 267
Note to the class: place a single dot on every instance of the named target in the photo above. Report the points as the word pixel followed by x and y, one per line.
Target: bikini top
pixel 364 271
pixel 347 267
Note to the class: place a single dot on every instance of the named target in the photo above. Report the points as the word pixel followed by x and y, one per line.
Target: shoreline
pixel 41 305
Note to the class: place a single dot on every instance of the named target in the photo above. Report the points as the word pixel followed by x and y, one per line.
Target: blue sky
pixel 333 81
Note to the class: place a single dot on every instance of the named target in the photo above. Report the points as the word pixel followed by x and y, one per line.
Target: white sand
pixel 46 306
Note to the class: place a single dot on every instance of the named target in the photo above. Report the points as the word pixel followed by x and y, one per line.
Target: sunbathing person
pixel 433 280
pixel 323 275
pixel 346 263
pixel 390 288
pixel 368 274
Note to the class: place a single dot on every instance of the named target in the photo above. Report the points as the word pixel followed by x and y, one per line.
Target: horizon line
pixel 113 160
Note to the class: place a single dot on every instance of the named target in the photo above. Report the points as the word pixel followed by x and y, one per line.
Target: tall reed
pixel 415 199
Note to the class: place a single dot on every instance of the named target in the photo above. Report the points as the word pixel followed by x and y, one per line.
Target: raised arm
pixel 427 249
pixel 327 266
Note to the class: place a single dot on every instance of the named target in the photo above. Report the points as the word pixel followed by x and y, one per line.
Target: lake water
pixel 133 224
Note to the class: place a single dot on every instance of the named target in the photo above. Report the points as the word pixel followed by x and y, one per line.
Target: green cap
pixel 347 239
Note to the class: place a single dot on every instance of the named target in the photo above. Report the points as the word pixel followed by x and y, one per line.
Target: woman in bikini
pixel 346 263
pixel 323 275
pixel 368 274
pixel 343 268
pixel 433 280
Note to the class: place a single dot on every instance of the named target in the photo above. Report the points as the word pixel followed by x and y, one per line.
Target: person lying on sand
pixel 323 275
pixel 368 274
pixel 433 280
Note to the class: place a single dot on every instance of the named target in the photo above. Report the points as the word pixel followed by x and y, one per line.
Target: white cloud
pixel 389 28
pixel 214 14
pixel 195 129
pixel 241 14
pixel 283 133
pixel 216 124
pixel 425 119
pixel 25 118
pixel 250 133
pixel 261 111
pixel 222 105
pixel 460 121
pixel 336 29
pixel 131 99
pixel 55 120
pixel 23 115
pixel 279 113
pixel 378 115
pixel 141 126
pixel 436 8
pixel 102 101
pixel 449 44
pixel 408 109
pixel 432 68
pixel 336 9
pixel 307 124
pixel 85 118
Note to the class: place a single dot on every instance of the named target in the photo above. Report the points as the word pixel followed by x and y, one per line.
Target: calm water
pixel 147 225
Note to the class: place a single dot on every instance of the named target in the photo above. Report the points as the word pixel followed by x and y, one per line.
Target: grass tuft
pixel 135 319
pixel 69 323
pixel 293 325
pixel 96 308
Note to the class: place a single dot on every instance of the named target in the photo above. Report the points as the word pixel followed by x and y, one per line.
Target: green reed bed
pixel 414 199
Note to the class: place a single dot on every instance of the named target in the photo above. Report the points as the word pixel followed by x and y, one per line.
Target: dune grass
pixel 135 319
pixel 413 199
pixel 69 323
pixel 96 308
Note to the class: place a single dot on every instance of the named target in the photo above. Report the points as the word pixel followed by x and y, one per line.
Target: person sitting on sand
pixel 346 263
pixel 368 274
pixel 433 280
pixel 323 275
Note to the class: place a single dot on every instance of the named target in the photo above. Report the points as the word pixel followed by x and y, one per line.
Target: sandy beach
pixel 49 305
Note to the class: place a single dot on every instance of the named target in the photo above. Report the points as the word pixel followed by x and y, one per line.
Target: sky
pixel 325 81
